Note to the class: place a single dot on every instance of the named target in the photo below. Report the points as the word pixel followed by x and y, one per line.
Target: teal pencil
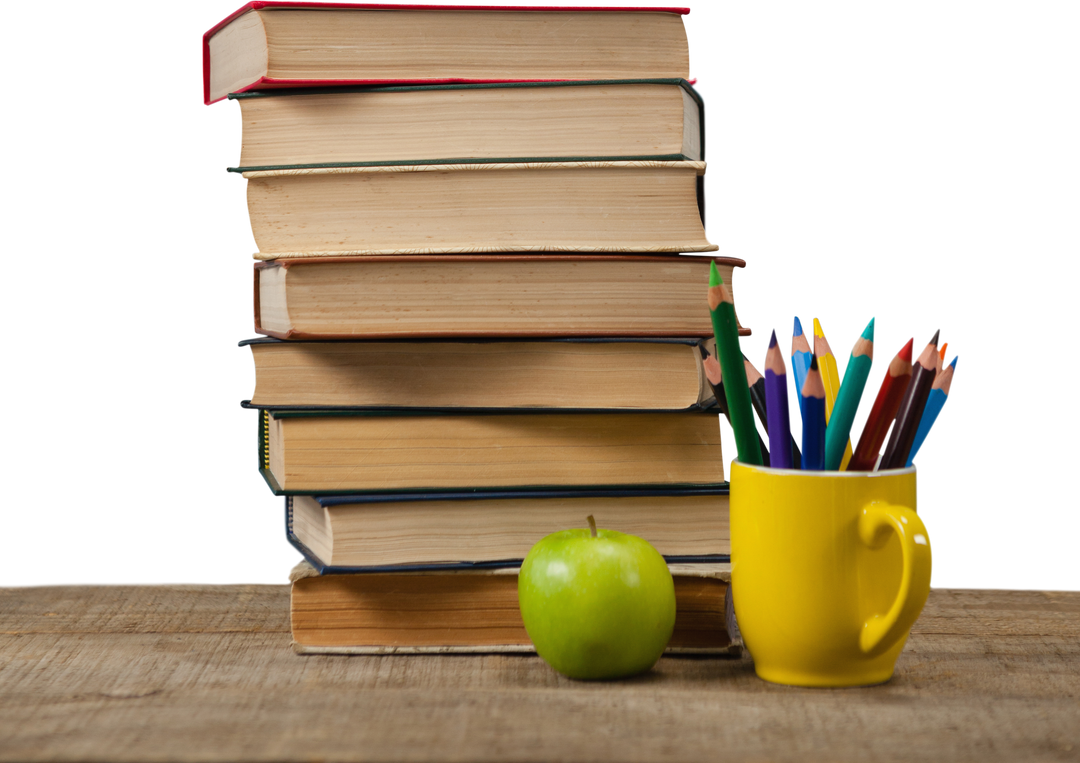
pixel 733 368
pixel 847 399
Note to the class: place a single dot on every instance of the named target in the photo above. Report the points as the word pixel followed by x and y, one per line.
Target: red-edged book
pixel 282 44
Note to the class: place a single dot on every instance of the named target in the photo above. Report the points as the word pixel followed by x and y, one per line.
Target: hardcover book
pixel 572 374
pixel 289 44
pixel 388 531
pixel 346 452
pixel 660 120
pixel 623 206
pixel 447 611
pixel 456 296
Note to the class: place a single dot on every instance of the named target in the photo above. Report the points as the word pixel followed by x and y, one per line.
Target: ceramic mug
pixel 829 571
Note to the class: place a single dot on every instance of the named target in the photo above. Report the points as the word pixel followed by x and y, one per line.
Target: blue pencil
pixel 939 393
pixel 801 355
pixel 813 419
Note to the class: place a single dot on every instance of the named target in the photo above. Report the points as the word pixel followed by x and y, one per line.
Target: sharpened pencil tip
pixel 868 332
pixel 703 351
pixel 953 364
pixel 772 341
pixel 798 327
pixel 934 341
pixel 813 363
pixel 906 350
pixel 817 328
pixel 714 275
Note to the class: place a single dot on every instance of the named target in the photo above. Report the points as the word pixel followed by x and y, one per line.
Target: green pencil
pixel 847 399
pixel 722 310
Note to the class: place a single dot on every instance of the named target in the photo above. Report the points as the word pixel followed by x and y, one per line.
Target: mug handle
pixel 881 632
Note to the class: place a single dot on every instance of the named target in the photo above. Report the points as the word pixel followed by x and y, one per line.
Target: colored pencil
pixel 939 393
pixel 800 356
pixel 828 364
pixel 716 380
pixel 755 382
pixel 722 312
pixel 715 377
pixel 813 419
pixel 779 428
pixel 830 377
pixel 884 411
pixel 847 399
pixel 911 408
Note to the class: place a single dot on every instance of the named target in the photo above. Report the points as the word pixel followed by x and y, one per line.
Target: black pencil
pixel 756 382
pixel 715 378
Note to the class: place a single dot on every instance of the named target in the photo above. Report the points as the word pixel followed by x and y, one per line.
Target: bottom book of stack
pixel 468 610
pixel 437 572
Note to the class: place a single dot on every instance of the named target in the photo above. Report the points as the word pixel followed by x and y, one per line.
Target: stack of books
pixel 478 326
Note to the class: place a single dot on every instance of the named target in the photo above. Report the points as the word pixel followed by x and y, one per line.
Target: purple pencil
pixel 776 405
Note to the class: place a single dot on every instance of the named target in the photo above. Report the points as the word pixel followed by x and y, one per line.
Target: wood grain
pixel 206 673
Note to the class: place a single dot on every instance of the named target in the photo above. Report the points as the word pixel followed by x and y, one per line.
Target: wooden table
pixel 207 673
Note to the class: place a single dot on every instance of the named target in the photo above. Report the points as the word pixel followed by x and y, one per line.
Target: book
pixel 537 121
pixel 644 374
pixel 463 529
pixel 344 452
pixel 624 206
pixel 448 296
pixel 469 611
pixel 286 44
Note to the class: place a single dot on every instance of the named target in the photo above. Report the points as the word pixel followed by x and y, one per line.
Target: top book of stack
pixel 269 44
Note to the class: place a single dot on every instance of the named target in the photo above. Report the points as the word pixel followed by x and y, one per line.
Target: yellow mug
pixel 829 571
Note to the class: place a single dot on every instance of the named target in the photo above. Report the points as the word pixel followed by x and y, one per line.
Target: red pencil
pixel 884 411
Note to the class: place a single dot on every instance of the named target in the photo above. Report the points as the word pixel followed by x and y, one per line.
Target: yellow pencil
pixel 830 378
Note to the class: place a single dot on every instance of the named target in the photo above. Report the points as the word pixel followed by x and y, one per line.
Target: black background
pixel 859 173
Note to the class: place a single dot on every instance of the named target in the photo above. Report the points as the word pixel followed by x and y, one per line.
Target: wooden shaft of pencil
pixel 722 310
pixel 910 411
pixel 943 380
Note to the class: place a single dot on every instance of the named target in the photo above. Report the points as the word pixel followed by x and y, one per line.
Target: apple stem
pixel 592 525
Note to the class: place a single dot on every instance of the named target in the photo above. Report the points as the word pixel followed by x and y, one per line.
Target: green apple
pixel 597 604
